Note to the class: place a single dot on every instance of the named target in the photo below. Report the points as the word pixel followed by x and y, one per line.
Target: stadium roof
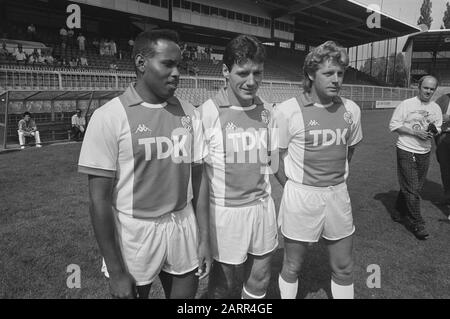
pixel 344 21
pixel 429 41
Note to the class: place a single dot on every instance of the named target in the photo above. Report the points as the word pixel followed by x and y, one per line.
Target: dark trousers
pixel 443 157
pixel 411 170
pixel 76 133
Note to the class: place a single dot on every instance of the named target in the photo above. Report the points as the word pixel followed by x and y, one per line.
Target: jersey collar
pixel 130 97
pixel 306 100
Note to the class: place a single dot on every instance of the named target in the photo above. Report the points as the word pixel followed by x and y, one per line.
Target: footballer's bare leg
pixel 341 262
pixel 221 281
pixel 143 291
pixel 294 253
pixel 257 276
pixel 179 286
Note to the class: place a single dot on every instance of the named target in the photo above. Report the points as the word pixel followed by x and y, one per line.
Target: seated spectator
pixel 63 63
pixel 28 128
pixel 195 69
pixel 41 59
pixel 103 47
pixel 73 63
pixel 83 61
pixel 78 126
pixel 31 59
pixel 36 55
pixel 48 58
pixel 113 66
pixel 20 55
pixel 4 51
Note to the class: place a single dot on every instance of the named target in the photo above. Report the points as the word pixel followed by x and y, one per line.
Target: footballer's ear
pixel 311 76
pixel 140 62
pixel 225 71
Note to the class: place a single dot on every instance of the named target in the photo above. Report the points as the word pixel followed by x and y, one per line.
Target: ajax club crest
pixel 187 122
pixel 265 116
pixel 348 117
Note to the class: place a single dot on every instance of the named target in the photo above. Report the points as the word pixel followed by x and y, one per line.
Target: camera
pixel 432 129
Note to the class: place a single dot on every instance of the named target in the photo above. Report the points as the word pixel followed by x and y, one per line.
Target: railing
pixel 13 78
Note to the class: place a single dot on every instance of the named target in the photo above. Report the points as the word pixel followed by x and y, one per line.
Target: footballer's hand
pixel 122 286
pixel 423 135
pixel 204 260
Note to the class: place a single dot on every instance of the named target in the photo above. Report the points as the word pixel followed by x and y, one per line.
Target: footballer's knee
pixel 291 269
pixel 342 270
pixel 258 281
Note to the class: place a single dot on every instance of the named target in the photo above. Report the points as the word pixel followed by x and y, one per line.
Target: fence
pixel 193 89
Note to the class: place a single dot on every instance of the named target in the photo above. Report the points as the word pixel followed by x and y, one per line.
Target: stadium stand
pixel 32 84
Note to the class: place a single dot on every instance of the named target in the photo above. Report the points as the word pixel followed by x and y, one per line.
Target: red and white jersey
pixel 148 149
pixel 317 138
pixel 239 140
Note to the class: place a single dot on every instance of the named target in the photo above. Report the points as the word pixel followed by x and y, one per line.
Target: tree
pixel 425 14
pixel 397 77
pixel 446 18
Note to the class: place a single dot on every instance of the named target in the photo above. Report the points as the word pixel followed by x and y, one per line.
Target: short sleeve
pixel 398 118
pixel 199 146
pixel 356 134
pixel 99 152
pixel 282 122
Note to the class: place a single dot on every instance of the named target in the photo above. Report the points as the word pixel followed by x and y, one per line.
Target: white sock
pixel 246 295
pixel 287 290
pixel 342 292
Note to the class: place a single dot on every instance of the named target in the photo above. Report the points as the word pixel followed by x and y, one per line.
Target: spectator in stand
pixel 83 61
pixel 113 66
pixel 95 43
pixel 48 58
pixel 28 128
pixel 81 42
pixel 73 62
pixel 130 46
pixel 63 63
pixel 63 37
pixel 4 51
pixel 78 125
pixel 20 55
pixel 70 38
pixel 31 59
pixel 208 52
pixel 103 48
pixel 195 69
pixel 113 48
pixel 31 32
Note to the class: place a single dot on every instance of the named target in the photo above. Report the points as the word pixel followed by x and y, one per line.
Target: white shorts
pixel 238 231
pixel 308 212
pixel 167 243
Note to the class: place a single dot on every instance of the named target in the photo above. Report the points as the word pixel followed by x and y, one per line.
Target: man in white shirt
pixel 78 125
pixel 416 121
